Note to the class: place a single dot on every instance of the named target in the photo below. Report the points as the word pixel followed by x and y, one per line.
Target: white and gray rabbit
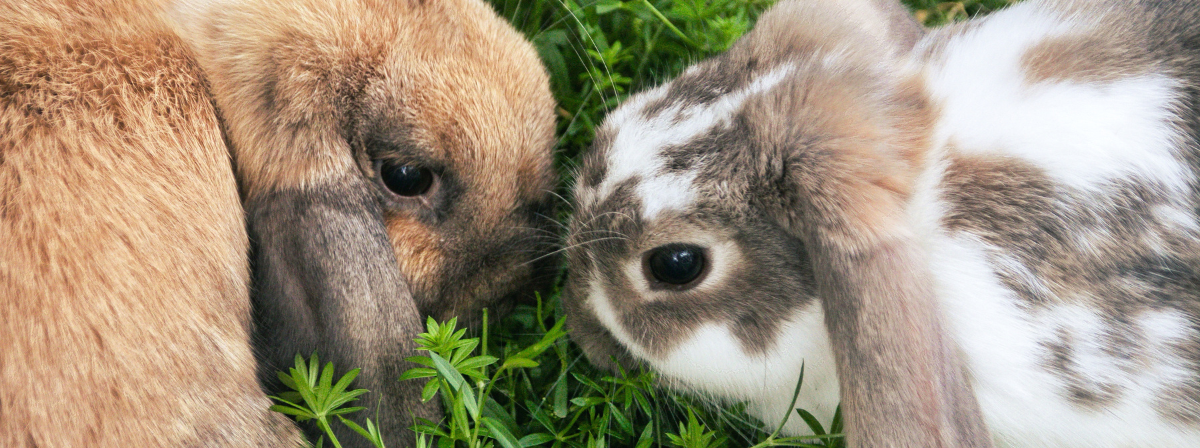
pixel 983 234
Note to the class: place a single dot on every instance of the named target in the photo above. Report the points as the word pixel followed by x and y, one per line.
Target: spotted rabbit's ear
pixel 877 30
pixel 902 383
pixel 901 28
pixel 852 135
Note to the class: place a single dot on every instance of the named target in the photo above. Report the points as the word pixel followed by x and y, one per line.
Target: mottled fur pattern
pixel 997 227
pixel 125 232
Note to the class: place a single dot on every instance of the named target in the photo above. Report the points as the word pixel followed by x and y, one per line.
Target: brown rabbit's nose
pixel 496 268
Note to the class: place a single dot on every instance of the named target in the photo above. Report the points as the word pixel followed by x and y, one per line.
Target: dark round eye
pixel 406 180
pixel 676 264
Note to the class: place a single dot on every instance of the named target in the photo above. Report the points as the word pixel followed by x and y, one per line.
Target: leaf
pixel 535 439
pixel 337 400
pixel 493 409
pixel 647 437
pixel 607 6
pixel 468 398
pixel 588 382
pixel 560 397
pixel 289 410
pixel 548 339
pixel 500 433
pixel 430 389
pixel 355 427
pixel 515 362
pixel 584 402
pixel 345 410
pixel 346 379
pixel 422 360
pixel 622 422
pixel 458 416
pixel 418 372
pixel 813 423
pixel 286 380
pixel 447 371
pixel 477 362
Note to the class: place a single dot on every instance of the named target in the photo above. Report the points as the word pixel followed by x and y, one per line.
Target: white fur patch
pixel 1176 218
pixel 636 148
pixel 1082 134
pixel 1024 402
pixel 712 360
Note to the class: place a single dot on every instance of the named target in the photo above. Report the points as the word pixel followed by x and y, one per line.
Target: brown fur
pixel 124 246
pixel 123 276
pixel 853 142
pixel 1087 59
pixel 315 94
pixel 445 80
pixel 851 157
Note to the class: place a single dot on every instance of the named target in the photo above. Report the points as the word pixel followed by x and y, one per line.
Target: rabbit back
pixel 1066 253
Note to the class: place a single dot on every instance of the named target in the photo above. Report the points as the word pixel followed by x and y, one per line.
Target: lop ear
pixel 326 279
pixel 852 144
pixel 325 275
pixel 868 29
pixel 900 27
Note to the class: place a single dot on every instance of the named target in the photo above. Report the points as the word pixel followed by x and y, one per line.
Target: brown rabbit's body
pixel 123 270
pixel 393 160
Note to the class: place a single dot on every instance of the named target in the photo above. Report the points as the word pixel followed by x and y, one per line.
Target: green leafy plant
pixel 314 396
pixel 473 416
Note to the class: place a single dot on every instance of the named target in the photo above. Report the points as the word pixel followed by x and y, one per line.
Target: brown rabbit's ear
pixel 326 279
pixel 852 147
pixel 325 275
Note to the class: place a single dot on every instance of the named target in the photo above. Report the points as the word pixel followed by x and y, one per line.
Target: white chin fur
pixel 712 360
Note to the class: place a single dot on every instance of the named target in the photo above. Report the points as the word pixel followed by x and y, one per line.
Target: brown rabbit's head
pixel 436 112
pixel 395 160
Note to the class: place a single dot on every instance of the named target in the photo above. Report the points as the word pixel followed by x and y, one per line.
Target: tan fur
pixel 1088 59
pixel 123 276
pixel 316 96
pixel 123 246
pixel 465 86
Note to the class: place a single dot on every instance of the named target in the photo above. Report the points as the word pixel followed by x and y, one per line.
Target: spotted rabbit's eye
pixel 406 180
pixel 675 265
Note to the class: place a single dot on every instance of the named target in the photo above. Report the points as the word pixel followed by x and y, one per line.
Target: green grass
pixel 521 383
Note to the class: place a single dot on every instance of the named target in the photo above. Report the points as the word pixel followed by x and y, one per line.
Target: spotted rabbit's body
pixel 1027 179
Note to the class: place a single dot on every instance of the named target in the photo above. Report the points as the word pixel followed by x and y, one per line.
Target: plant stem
pixel 668 23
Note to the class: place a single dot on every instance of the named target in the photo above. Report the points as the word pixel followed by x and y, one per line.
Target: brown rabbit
pixel 123 270
pixel 393 160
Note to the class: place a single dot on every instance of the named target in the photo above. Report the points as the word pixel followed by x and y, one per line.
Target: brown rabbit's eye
pixel 406 180
pixel 676 264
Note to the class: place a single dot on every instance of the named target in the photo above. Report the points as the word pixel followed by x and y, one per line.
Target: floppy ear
pixel 902 382
pixel 872 28
pixel 325 275
pixel 901 28
pixel 852 138
pixel 326 279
